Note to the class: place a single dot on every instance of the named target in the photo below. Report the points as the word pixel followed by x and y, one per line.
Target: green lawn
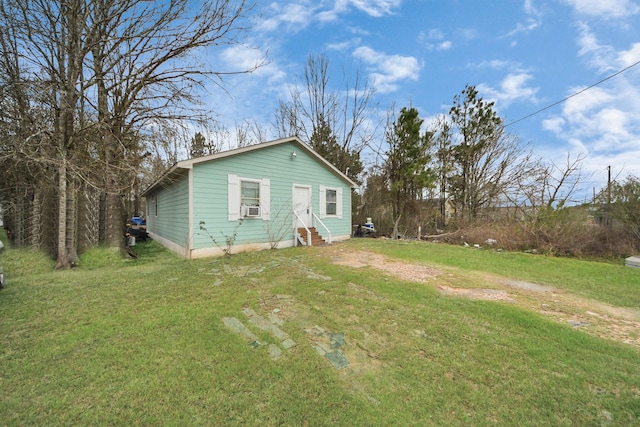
pixel 142 342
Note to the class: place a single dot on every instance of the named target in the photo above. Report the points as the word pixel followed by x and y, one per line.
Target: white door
pixel 302 206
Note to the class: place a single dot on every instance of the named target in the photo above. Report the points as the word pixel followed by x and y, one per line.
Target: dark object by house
pixel 138 233
pixel 365 230
pixel 137 221
pixel 136 229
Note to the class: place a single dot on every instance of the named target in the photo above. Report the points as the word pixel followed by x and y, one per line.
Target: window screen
pixel 249 193
pixel 331 199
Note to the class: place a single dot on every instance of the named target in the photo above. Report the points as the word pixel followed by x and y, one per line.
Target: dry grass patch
pixel 594 317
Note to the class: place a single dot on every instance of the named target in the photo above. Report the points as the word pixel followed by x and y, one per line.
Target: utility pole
pixel 608 210
pixel 608 185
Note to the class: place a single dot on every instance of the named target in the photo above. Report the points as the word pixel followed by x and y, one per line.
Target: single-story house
pixel 274 194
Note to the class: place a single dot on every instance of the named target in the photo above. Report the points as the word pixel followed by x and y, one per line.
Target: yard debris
pixel 633 261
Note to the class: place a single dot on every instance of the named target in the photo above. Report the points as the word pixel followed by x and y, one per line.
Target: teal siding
pixel 172 221
pixel 210 198
pixel 210 201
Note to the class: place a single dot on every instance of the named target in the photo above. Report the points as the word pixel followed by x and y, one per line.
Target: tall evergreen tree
pixel 324 142
pixel 408 158
pixel 479 129
pixel 199 146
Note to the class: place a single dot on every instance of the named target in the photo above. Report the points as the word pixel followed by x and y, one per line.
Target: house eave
pixel 175 172
pixel 181 168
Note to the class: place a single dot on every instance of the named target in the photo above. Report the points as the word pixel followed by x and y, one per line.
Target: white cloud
pixel 512 88
pixel 375 8
pixel 291 15
pixel 586 102
pixel 434 39
pixel 555 124
pixel 246 58
pixel 600 56
pixel 629 57
pixel 388 70
pixel 496 64
pixel 530 8
pixel 468 33
pixel 297 15
pixel 445 45
pixel 530 25
pixel 605 120
pixel 434 34
pixel 604 8
pixel 343 46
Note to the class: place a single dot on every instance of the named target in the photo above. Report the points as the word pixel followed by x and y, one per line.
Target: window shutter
pixel 339 202
pixel 265 199
pixel 323 202
pixel 233 197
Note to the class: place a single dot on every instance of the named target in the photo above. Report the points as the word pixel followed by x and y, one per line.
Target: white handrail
pixel 305 227
pixel 325 227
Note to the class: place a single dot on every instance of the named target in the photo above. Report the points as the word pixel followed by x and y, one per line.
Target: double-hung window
pixel 330 202
pixel 249 193
pixel 248 197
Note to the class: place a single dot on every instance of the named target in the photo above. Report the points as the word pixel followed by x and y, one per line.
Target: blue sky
pixel 523 54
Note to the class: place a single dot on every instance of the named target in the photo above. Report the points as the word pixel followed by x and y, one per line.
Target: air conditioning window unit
pixel 251 211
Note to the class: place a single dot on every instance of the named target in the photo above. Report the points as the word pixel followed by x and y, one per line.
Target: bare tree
pixel 332 121
pixel 145 70
pixel 485 159
pixel 52 39
pixel 249 133
pixel 546 185
pixel 625 199
pixel 109 68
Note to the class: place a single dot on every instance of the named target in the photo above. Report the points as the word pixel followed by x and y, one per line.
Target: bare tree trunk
pixel 71 217
pixel 114 225
pixel 36 219
pixel 396 232
pixel 62 260
pixel 102 218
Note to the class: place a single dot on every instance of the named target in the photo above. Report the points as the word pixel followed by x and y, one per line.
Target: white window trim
pixel 323 202
pixel 234 197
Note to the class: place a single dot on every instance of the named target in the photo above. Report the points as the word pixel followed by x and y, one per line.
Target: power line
pixel 572 95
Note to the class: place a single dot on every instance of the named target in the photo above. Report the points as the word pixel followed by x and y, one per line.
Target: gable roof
pixel 182 168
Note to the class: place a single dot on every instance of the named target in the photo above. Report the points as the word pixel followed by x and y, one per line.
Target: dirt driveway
pixel 591 316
